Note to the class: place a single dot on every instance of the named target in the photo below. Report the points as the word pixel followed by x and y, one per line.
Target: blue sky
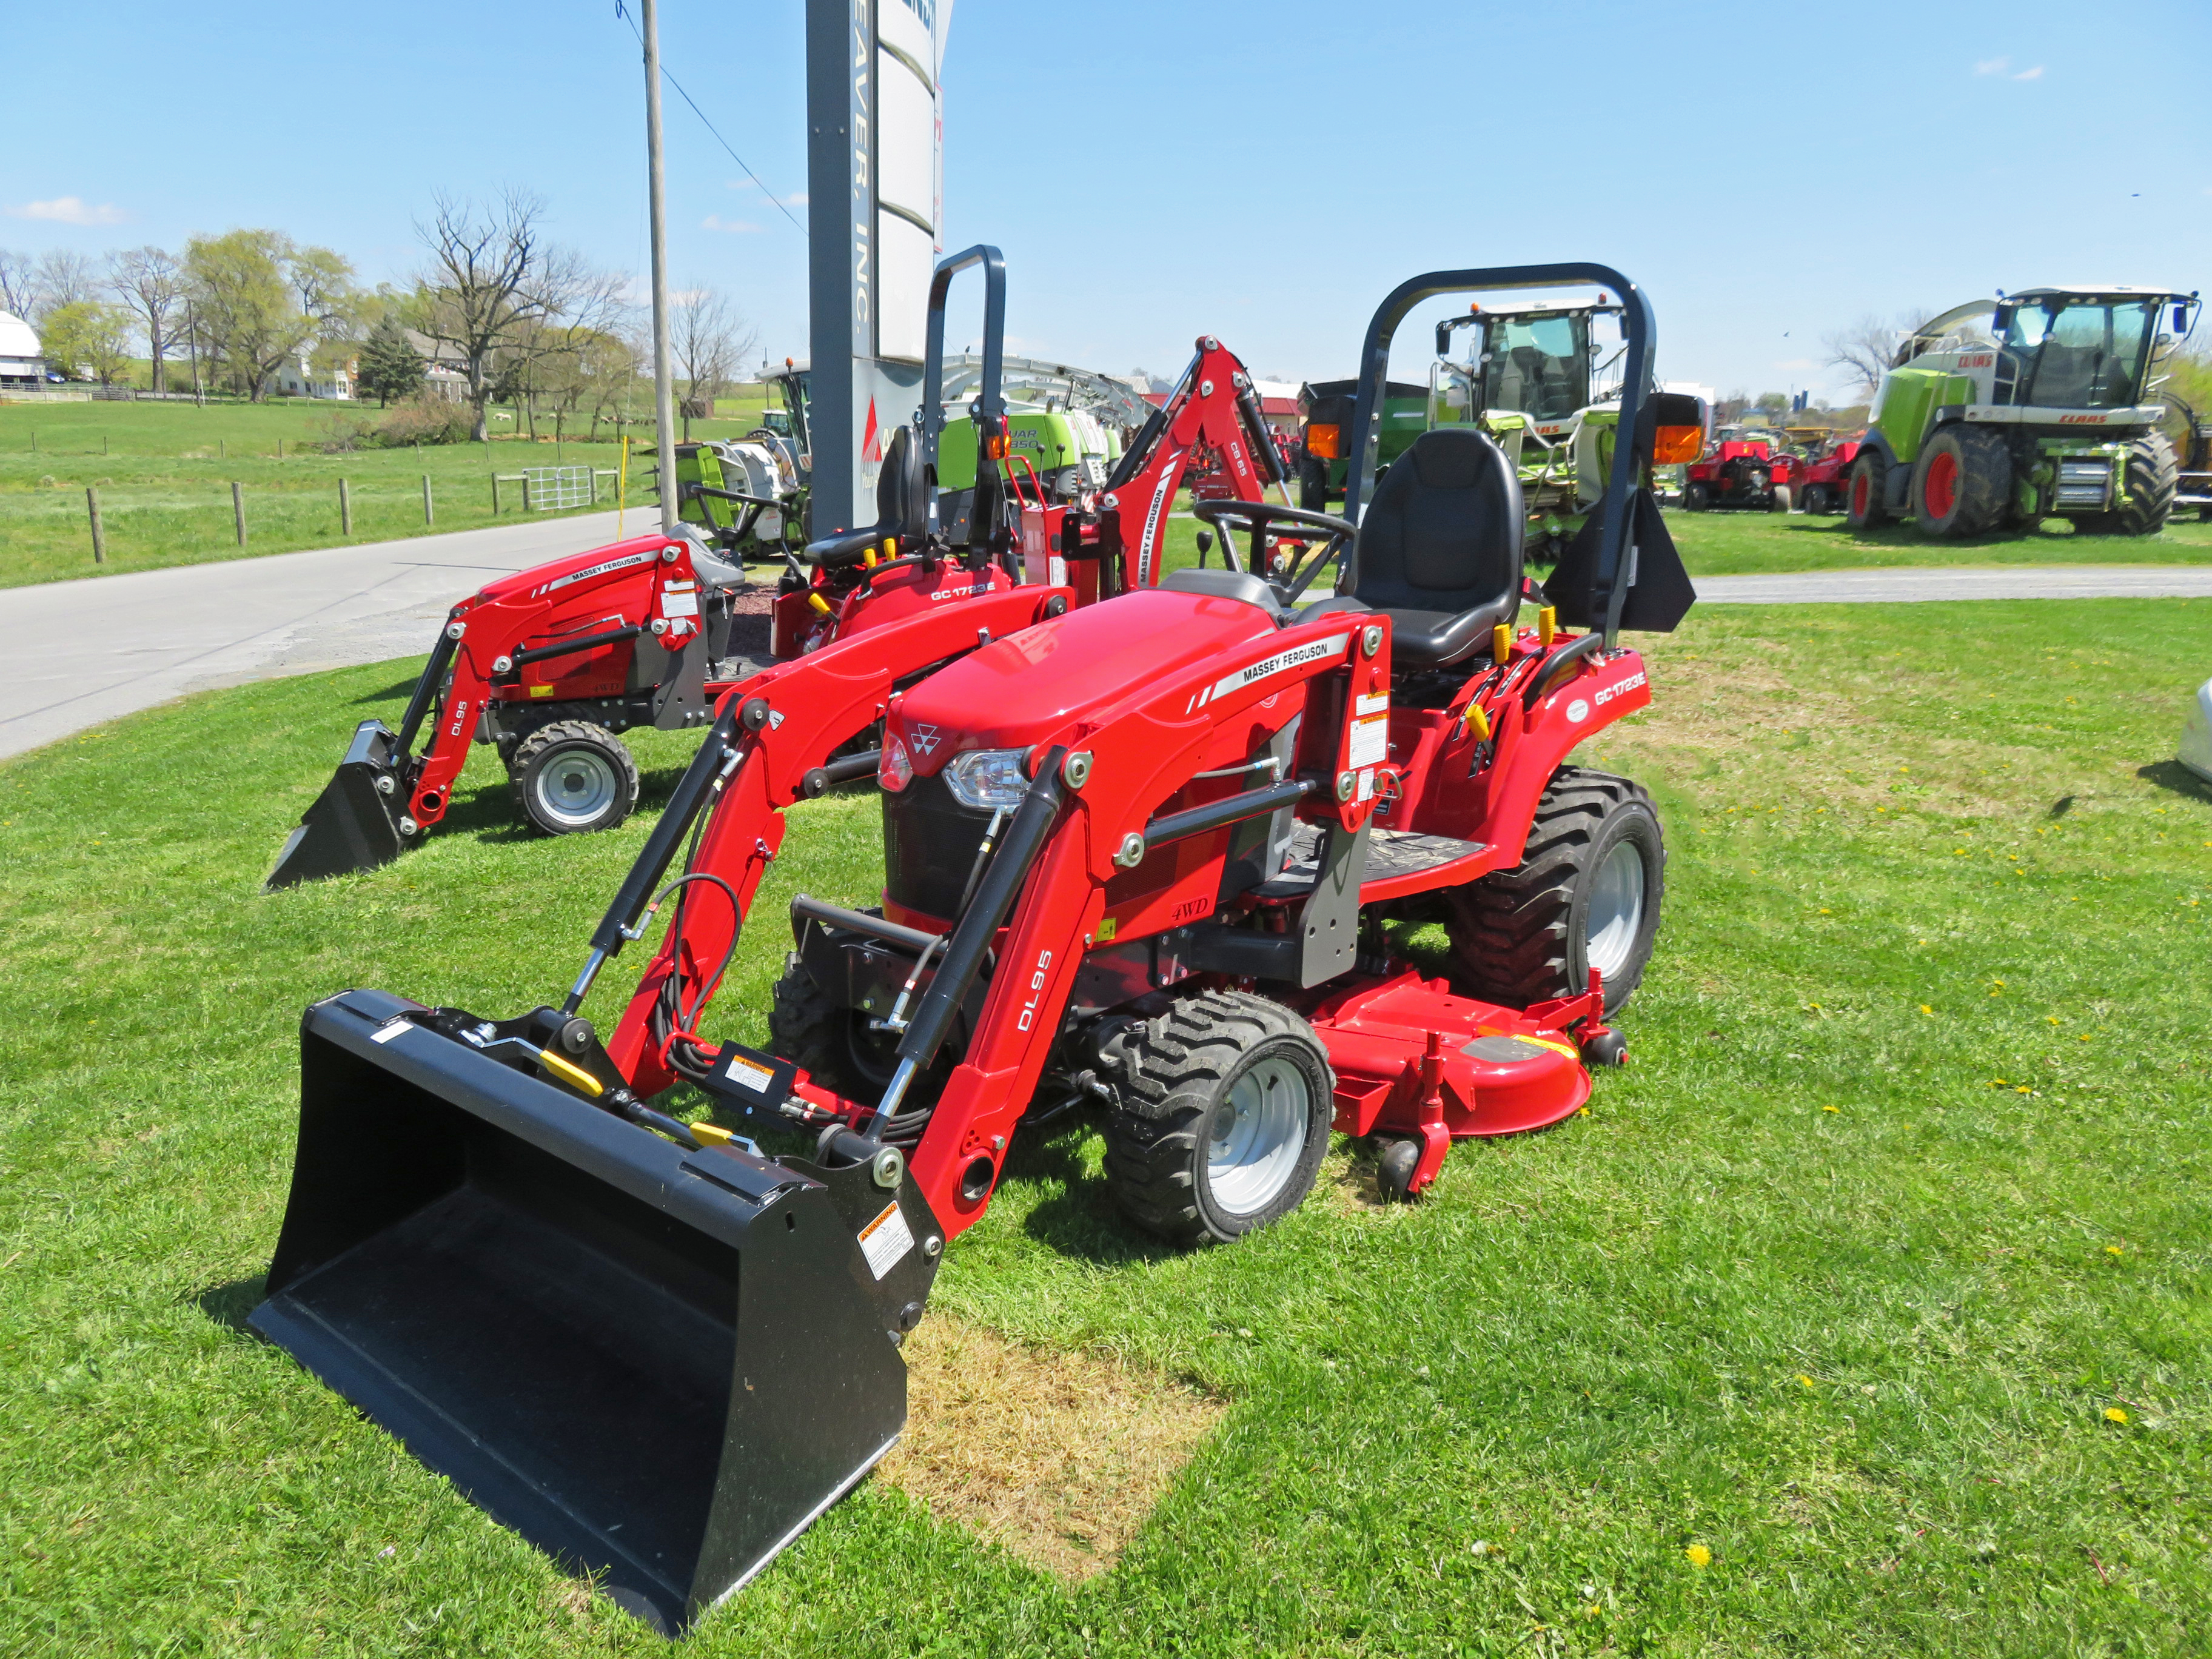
pixel 1156 170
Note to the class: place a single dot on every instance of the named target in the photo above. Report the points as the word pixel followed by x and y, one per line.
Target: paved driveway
pixel 80 653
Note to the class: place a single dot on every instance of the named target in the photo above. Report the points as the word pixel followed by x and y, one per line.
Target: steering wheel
pixel 1265 518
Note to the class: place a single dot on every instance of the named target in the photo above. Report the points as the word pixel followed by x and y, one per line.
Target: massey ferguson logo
pixel 649 556
pixel 1296 657
pixel 926 739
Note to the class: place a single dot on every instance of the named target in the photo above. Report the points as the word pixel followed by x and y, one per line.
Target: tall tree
pixel 89 334
pixel 61 278
pixel 151 283
pixel 391 369
pixel 15 287
pixel 499 295
pixel 708 339
pixel 1868 346
pixel 257 298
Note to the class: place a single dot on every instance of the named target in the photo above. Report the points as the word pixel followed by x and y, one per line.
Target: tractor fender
pixel 1592 698
pixel 1896 478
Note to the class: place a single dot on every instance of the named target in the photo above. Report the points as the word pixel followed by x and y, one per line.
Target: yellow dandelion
pixel 1832 1109
pixel 1701 1557
pixel 2021 1089
pixel 1592 1611
pixel 2084 1037
pixel 1806 1380
pixel 2051 1019
pixel 2114 1415
pixel 1827 913
pixel 1926 1010
pixel 2115 1249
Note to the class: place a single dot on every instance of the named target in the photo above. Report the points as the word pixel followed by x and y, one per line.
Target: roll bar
pixel 1636 320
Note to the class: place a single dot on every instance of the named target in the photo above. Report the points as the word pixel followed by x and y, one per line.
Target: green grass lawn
pixel 164 472
pixel 1740 543
pixel 1849 1280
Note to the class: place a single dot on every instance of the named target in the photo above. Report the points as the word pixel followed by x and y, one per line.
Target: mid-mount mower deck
pixel 1152 858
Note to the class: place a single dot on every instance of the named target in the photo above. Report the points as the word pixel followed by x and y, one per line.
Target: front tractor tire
pixel 2153 478
pixel 1697 497
pixel 1781 501
pixel 1586 892
pixel 1225 1106
pixel 1962 482
pixel 1866 505
pixel 573 778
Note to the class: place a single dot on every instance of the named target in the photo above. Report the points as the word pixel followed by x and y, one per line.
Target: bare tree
pixel 708 339
pixel 17 289
pixel 151 283
pixel 1868 347
pixel 499 295
pixel 61 278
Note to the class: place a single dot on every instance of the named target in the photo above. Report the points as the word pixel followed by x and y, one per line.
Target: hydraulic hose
pixel 971 939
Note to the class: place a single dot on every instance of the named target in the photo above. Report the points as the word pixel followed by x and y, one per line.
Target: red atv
pixel 1741 472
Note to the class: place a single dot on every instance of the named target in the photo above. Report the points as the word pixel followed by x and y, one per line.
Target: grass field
pixel 1866 1313
pixel 1741 544
pixel 165 478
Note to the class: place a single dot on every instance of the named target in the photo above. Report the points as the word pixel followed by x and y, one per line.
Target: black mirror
pixel 2181 316
pixel 2001 321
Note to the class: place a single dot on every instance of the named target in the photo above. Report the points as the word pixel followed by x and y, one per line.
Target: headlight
pixel 895 771
pixel 987 779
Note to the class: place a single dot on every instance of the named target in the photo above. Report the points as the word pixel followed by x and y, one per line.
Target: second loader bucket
pixel 657 1363
pixel 354 825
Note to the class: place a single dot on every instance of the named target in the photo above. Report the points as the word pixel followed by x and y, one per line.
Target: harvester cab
pixel 1143 860
pixel 2040 403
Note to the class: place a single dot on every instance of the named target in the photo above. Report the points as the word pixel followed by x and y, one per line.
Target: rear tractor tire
pixel 1587 890
pixel 573 778
pixel 1962 482
pixel 2153 478
pixel 1866 504
pixel 1224 1115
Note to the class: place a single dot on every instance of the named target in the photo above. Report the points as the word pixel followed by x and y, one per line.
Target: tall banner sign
pixel 875 178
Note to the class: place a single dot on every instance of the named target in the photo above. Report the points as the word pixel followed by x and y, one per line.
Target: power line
pixel 622 13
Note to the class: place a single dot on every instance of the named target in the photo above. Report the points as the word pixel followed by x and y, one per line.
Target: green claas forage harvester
pixel 2040 403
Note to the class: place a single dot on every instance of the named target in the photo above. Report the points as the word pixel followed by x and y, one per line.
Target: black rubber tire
pixel 1865 502
pixel 818 1030
pixel 1781 501
pixel 1982 469
pixel 1174 1071
pixel 1816 500
pixel 537 754
pixel 1520 936
pixel 1697 497
pixel 1393 1170
pixel 2153 478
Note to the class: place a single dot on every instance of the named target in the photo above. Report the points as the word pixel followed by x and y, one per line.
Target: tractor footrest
pixel 1399 861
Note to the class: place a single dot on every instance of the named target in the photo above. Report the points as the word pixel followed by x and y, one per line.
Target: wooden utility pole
pixel 663 382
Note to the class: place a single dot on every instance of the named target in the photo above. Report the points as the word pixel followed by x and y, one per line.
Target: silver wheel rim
pixel 1255 1145
pixel 1616 909
pixel 576 786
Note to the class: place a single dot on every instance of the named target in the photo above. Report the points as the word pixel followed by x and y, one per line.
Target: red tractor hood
pixel 577 570
pixel 1020 690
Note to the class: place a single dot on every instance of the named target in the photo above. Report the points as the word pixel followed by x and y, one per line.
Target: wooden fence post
pixel 98 536
pixel 345 509
pixel 426 496
pixel 495 494
pixel 238 508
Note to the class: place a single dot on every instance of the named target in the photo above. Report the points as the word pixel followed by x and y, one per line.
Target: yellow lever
pixel 1478 719
pixel 574 1076
pixel 1501 643
pixel 1547 624
pixel 713 1133
pixel 818 603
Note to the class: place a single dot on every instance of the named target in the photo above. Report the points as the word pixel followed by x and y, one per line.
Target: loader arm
pixel 790 717
pixel 1212 406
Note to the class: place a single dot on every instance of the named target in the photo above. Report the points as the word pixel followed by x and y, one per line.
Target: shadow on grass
pixel 2172 775
pixel 1081 1221
pixel 397 689
pixel 228 1305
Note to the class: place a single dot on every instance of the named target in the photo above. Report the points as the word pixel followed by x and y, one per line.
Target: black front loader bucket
pixel 354 825
pixel 658 1364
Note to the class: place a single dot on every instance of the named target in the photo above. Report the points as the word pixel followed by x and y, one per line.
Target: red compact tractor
pixel 1158 860
pixel 1740 471
pixel 1823 475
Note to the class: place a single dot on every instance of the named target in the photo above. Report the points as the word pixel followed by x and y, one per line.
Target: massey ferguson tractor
pixel 640 1290
pixel 2001 413
pixel 1741 470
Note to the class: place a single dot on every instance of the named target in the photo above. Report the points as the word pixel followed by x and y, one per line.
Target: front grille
pixel 2084 483
pixel 929 847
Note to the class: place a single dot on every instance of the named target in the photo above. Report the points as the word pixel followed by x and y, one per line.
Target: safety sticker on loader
pixel 886 1240
pixel 750 1078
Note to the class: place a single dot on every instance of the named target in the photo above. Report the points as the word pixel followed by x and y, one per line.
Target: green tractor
pixel 1065 430
pixel 749 497
pixel 2000 413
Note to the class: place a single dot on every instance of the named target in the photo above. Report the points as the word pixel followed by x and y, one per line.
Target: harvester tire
pixel 1961 483
pixel 573 778
pixel 818 1030
pixel 1596 863
pixel 1866 505
pixel 1223 1117
pixel 2153 477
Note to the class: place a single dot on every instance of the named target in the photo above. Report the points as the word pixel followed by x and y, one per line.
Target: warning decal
pixel 886 1240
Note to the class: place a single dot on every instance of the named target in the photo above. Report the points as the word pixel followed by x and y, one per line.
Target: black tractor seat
pixel 1439 550
pixel 902 508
